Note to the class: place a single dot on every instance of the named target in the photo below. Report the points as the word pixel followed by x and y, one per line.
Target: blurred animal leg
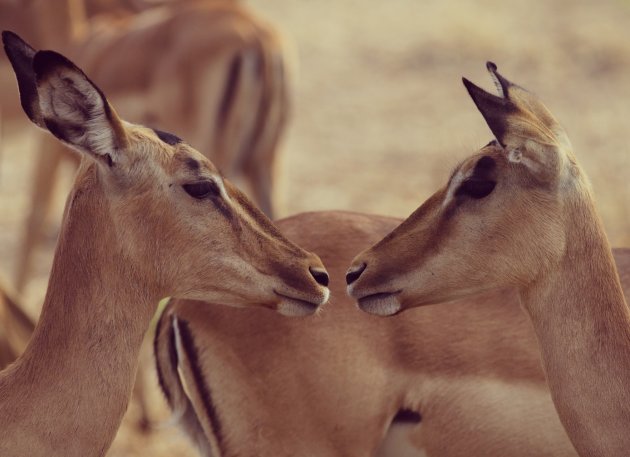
pixel 45 175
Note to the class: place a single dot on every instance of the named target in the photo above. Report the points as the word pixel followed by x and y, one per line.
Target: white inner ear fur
pixel 498 85
pixel 73 103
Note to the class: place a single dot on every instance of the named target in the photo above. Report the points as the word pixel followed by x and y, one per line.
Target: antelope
pixel 210 70
pixel 148 217
pixel 463 379
pixel 520 214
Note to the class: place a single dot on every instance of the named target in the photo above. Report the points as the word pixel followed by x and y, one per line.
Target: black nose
pixel 352 276
pixel 320 276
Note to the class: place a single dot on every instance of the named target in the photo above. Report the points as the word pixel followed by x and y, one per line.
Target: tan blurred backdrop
pixel 381 116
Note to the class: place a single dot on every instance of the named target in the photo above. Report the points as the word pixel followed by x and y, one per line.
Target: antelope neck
pixel 67 394
pixel 583 326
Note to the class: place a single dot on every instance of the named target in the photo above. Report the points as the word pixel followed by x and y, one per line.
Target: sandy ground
pixel 381 115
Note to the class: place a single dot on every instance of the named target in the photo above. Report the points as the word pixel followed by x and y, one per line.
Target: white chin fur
pixel 295 308
pixel 380 305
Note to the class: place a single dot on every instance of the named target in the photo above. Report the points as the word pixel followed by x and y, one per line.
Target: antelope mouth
pixel 381 304
pixel 295 307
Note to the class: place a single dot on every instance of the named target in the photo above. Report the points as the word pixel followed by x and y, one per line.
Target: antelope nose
pixel 354 273
pixel 320 276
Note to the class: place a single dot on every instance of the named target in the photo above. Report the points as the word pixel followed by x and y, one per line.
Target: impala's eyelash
pixel 476 188
pixel 202 189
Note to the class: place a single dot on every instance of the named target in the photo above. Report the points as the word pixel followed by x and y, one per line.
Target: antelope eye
pixel 202 189
pixel 476 188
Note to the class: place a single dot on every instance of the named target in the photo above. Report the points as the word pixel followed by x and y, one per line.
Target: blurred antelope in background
pixel 16 326
pixel 148 216
pixel 210 70
pixel 520 213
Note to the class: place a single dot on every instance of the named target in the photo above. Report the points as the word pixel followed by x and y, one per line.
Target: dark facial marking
pixel 168 138
pixel 263 221
pixel 192 163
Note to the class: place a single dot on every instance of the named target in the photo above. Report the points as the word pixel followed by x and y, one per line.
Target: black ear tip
pixel 8 37
pixel 471 87
pixel 491 66
pixel 12 40
pixel 49 57
pixel 46 61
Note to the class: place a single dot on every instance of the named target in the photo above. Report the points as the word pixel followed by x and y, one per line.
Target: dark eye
pixel 476 188
pixel 202 189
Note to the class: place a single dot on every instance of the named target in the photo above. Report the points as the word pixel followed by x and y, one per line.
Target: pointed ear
pixel 21 54
pixel 516 115
pixel 58 96
pixel 75 110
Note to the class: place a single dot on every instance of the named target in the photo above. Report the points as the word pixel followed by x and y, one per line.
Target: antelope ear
pixel 21 54
pixel 520 122
pixel 75 110
pixel 57 96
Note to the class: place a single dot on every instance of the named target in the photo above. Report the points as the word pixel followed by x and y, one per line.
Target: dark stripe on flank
pixel 230 89
pixel 172 357
pixel 200 383
pixel 168 138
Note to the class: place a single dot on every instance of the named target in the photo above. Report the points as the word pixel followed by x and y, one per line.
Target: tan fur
pixel 210 71
pixel 330 384
pixel 131 235
pixel 538 232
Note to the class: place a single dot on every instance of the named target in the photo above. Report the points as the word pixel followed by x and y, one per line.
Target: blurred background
pixel 379 115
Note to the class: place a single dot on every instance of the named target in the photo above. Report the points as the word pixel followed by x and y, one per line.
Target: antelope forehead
pixel 188 159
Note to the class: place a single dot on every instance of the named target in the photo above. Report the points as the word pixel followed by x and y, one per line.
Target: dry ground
pixel 381 115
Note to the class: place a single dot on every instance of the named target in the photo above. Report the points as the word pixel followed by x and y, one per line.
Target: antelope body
pixel 455 380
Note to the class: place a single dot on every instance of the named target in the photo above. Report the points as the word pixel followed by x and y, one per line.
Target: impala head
pixel 500 221
pixel 174 218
